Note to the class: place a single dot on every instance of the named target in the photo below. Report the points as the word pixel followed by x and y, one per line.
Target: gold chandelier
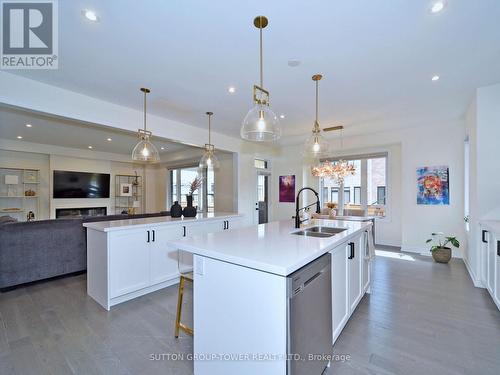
pixel 337 170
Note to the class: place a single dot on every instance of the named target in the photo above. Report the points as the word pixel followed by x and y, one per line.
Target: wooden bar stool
pixel 178 325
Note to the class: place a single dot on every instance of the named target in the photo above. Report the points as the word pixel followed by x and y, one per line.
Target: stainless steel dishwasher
pixel 309 292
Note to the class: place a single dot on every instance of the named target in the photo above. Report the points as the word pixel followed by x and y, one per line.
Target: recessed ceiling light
pixel 435 78
pixel 29 125
pixel 19 137
pixel 438 6
pixel 282 116
pixel 90 15
pixel 293 63
pixel 90 147
pixel 162 148
pixel 231 90
pixel 109 139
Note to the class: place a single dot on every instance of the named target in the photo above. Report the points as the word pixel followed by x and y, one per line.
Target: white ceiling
pixel 377 58
pixel 66 133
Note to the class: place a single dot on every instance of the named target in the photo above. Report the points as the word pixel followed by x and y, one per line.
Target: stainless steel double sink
pixel 321 232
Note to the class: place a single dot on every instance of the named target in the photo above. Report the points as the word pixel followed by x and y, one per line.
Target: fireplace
pixel 79 212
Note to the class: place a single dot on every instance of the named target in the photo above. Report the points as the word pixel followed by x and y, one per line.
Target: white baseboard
pixel 422 250
pixel 477 283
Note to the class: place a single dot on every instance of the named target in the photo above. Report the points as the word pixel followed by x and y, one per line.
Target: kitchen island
pixel 129 258
pixel 242 315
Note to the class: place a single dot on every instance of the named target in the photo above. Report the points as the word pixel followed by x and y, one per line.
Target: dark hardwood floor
pixel 422 318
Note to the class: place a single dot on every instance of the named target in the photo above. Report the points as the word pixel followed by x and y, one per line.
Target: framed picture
pixel 125 190
pixel 433 186
pixel 287 188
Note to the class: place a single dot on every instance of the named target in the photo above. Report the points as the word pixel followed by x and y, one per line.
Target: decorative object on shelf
pixel 125 190
pixel 11 179
pixel 261 124
pixel 336 170
pixel 316 145
pixel 31 176
pixel 136 179
pixel 209 160
pixel 176 210
pixel 433 185
pixel 30 193
pixel 145 151
pixel 440 252
pixel 287 189
pixel 12 209
pixel 135 206
pixel 189 210
pixel 30 216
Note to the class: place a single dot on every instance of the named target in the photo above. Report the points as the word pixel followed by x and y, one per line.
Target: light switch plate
pixel 200 264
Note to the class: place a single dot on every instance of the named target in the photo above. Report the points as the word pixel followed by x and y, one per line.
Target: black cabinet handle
pixel 184 231
pixel 351 245
pixel 227 224
pixel 224 228
pixel 153 235
pixel 483 236
pixel 498 248
pixel 149 236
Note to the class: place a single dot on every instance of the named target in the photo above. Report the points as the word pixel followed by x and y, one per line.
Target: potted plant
pixel 189 210
pixel 440 252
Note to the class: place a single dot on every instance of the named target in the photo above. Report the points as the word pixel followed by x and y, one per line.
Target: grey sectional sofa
pixel 37 250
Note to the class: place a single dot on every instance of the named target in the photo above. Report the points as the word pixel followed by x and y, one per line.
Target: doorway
pixel 262 197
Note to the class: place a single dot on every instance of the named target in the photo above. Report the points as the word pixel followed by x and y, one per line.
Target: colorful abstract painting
pixel 287 188
pixel 433 185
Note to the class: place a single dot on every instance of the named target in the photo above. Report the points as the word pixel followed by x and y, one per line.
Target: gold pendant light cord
pixel 209 129
pixel 317 94
pixel 261 59
pixel 145 110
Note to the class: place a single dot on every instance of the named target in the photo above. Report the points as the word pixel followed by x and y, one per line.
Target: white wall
pixel 483 130
pixel 408 225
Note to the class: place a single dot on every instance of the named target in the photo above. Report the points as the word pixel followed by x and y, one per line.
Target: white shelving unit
pixel 19 192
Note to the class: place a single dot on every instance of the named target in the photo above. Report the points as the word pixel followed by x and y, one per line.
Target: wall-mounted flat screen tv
pixel 69 184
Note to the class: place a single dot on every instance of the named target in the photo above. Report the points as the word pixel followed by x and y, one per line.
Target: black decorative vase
pixel 189 210
pixel 176 210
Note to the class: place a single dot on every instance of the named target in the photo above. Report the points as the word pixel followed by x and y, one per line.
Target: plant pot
pixel 176 210
pixel 442 255
pixel 189 210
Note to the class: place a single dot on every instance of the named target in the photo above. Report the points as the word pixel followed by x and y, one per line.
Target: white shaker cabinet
pixel 130 258
pixel 340 297
pixel 350 280
pixel 355 260
pixel 490 258
pixel 128 262
pixel 163 258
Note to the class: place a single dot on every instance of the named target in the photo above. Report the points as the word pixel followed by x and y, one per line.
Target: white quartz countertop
pixel 107 226
pixel 491 225
pixel 270 247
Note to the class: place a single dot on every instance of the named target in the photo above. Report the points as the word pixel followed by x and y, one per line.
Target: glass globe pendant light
pixel 144 150
pixel 260 124
pixel 316 145
pixel 209 161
